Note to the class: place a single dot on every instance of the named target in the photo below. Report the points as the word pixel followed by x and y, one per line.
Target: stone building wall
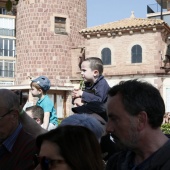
pixel 152 43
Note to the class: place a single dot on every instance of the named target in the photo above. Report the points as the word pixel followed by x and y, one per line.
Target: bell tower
pixel 47 30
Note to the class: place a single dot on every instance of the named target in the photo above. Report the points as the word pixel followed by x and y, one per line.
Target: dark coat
pixel 96 92
pixel 160 160
pixel 22 155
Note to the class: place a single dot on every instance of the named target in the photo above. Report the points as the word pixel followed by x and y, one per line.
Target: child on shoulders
pixel 96 87
pixel 39 88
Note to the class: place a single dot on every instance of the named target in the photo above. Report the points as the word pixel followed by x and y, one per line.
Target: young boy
pixel 96 87
pixel 39 88
pixel 36 113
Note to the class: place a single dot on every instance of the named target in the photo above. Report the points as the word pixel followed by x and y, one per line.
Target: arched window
pixel 136 54
pixel 106 56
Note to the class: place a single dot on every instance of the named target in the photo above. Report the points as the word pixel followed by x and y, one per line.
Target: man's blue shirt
pixel 9 142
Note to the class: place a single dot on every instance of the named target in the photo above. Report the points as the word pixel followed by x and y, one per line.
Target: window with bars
pixel 60 25
pixel 136 54
pixel 7 68
pixel 106 56
pixel 7 47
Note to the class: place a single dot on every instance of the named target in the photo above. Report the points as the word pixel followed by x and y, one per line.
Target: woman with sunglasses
pixel 69 148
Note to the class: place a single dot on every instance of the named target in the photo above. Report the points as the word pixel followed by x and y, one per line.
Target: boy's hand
pixel 78 102
pixel 77 93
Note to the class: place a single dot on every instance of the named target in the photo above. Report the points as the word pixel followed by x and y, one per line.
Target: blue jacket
pixel 96 92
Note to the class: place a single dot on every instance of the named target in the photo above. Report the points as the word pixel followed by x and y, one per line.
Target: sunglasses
pixel 46 163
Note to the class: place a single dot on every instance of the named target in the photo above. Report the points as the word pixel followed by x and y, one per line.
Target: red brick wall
pixel 39 50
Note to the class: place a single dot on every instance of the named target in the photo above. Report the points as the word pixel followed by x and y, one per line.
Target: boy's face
pixel 35 92
pixel 87 73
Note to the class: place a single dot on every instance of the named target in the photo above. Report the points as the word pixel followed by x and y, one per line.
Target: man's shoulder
pixel 116 160
pixel 22 153
pixel 25 138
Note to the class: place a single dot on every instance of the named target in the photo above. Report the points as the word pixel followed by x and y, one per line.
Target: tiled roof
pixel 126 24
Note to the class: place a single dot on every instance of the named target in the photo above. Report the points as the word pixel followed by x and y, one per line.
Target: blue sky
pixel 104 11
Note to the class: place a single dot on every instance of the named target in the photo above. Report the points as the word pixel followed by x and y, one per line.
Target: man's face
pixel 8 122
pixel 120 123
pixel 86 72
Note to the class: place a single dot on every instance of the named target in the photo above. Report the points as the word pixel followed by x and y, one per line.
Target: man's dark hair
pixel 141 96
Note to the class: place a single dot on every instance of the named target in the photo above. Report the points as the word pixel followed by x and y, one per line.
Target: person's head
pixel 134 107
pixel 91 69
pixel 40 86
pixel 36 112
pixel 69 148
pixel 85 120
pixel 95 109
pixel 9 114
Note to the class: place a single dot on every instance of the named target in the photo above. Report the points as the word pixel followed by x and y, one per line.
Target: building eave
pixel 27 87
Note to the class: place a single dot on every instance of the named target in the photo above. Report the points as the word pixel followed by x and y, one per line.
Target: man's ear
pixel 142 120
pixel 38 120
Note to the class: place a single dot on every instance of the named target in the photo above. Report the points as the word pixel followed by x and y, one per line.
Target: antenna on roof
pixel 132 14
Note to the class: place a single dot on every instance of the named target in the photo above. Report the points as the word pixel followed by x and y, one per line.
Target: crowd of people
pixel 111 128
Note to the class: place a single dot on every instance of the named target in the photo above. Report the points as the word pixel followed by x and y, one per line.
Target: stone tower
pixel 47 31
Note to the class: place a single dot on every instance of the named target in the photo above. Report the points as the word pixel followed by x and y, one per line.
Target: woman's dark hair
pixel 78 146
pixel 141 96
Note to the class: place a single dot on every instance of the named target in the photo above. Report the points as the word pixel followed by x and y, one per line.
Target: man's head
pixel 87 121
pixel 36 112
pixel 91 68
pixel 9 114
pixel 40 85
pixel 132 107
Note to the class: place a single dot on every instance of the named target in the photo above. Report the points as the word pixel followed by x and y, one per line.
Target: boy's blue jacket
pixel 96 92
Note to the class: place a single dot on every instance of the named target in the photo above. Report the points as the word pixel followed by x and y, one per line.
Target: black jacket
pixel 160 160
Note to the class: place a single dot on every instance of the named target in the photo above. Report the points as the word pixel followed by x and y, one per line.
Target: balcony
pixel 159 11
pixel 7 32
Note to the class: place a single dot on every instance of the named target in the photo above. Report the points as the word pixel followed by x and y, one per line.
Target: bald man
pixel 17 148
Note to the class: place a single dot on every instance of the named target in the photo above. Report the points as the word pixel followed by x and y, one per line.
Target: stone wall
pixel 153 45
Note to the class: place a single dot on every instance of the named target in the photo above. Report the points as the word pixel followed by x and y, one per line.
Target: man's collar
pixel 9 142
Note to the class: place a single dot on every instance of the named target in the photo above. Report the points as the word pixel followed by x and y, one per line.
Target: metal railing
pixel 7 32
pixel 154 8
